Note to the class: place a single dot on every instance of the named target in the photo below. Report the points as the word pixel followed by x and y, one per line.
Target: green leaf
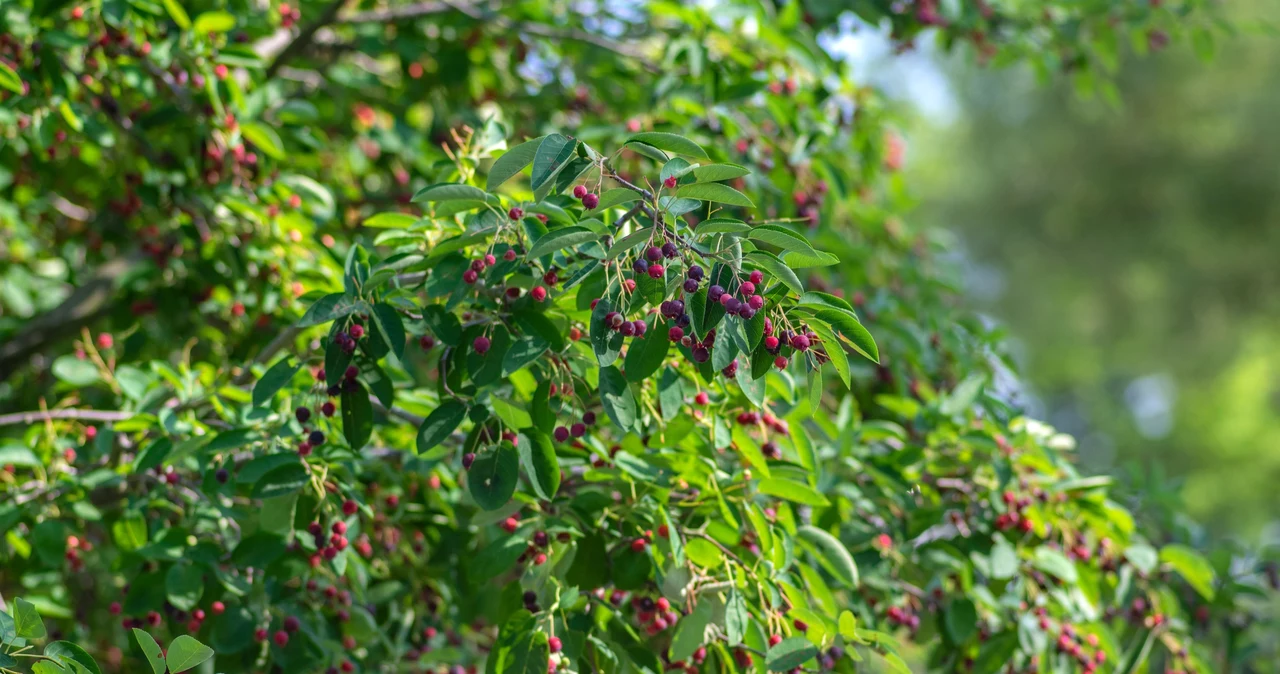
pixel 521 648
pixel 552 153
pixel 357 417
pixel 777 235
pixel 184 585
pixel 857 335
pixel 789 654
pixel 26 620
pixel 565 237
pixel 605 342
pixel 391 221
pixel 289 478
pixel 78 373
pixel 452 192
pixel 1143 557
pixel 539 324
pixel 179 16
pixel 493 477
pixel 9 79
pixel 702 552
pixel 130 532
pixel 538 457
pixel 834 350
pixel 67 652
pixel 511 414
pixel 1004 560
pixel 715 192
pixel 645 355
pixel 835 558
pixel 185 653
pixel 775 267
pixel 1192 566
pixel 151 649
pixel 716 172
pixel 438 426
pixel 511 163
pixel 615 394
pixel 274 379
pixel 1056 564
pixel 793 491
pixel 670 142
pixel 264 138
pixel 390 327
pixel 214 22
pixel 614 197
pixel 17 455
pixel 736 617
pixel 691 632
pixel 961 620
pixel 328 308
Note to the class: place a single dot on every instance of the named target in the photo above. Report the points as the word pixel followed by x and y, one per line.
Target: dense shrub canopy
pixel 531 337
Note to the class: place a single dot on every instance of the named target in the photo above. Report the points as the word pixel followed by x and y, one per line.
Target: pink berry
pixel 481 344
pixel 579 191
pixel 591 200
pixel 539 293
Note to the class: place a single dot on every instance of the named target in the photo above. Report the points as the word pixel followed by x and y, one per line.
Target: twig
pixel 412 11
pixel 396 412
pixel 285 337
pixel 303 39
pixel 83 415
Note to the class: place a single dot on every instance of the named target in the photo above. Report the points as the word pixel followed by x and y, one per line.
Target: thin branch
pixel 412 11
pixel 284 338
pixel 396 412
pixel 83 415
pixel 300 43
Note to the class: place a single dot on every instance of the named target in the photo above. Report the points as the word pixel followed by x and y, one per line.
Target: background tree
pixel 1133 247
pixel 532 337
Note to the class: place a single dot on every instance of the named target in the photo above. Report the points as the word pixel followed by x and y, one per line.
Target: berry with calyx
pixel 675 334
pixel 690 285
pixel 515 213
pixel 695 273
pixel 756 302
pixel 771 344
pixel 654 253
pixel 640 266
pixel 800 343
pixel 357 331
pixel 669 250
pixel 757 277
pixel 670 182
pixel 714 293
pixel 780 362
pixel 591 200
pixel 747 289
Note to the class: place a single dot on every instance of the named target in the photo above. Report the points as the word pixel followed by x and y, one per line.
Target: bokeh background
pixel 1132 252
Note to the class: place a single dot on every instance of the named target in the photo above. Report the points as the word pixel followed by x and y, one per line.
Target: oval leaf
pixel 539 460
pixel 670 142
pixel 438 425
pixel 835 558
pixel 492 478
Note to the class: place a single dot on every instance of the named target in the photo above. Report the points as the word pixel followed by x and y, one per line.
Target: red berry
pixel 220 71
pixel 481 345
pixel 702 398
pixel 757 277
pixel 579 191
pixel 561 434
pixel 539 293
pixel 470 276
pixel 490 260
pixel 105 340
pixel 339 527
pixel 260 634
pixel 554 643
pixel 114 608
pixel 510 525
pixel 349 507
pixel 639 544
pixel 590 200
pixel 281 638
pixel 675 334
pixel 218 607
pixel 575 334
pixel 510 255
pixel 328 408
pixel 655 270
pixel 774 640
pixel 780 362
pixel 670 182
pixel 515 213
pixel 357 331
pixel 800 625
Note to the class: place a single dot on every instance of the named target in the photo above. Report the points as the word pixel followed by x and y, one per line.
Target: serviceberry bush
pixel 537 337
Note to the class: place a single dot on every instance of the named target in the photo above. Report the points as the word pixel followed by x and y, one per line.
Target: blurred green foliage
pixel 1134 256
